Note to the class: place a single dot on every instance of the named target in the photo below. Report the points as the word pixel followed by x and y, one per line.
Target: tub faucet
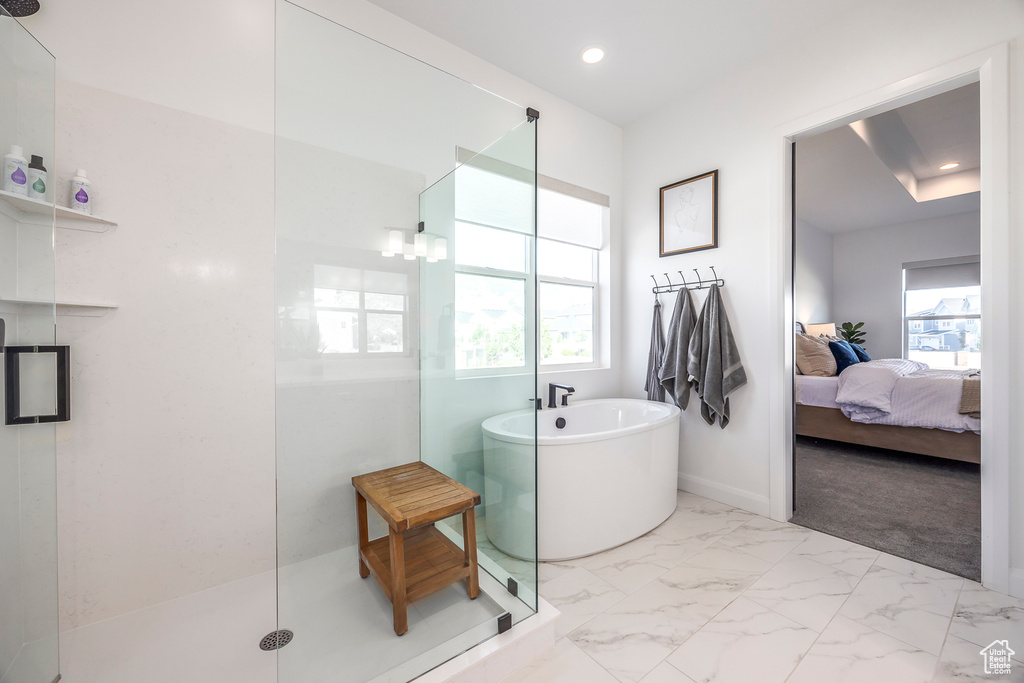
pixel 553 388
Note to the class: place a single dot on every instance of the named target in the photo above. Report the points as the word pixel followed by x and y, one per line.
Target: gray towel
pixel 714 361
pixel 673 368
pixel 655 392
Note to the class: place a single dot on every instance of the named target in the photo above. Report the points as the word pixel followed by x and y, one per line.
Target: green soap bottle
pixel 37 179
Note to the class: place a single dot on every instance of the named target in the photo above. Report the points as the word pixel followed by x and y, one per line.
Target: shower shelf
pixel 75 308
pixel 22 209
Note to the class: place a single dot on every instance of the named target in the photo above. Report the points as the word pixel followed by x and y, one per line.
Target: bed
pixel 820 412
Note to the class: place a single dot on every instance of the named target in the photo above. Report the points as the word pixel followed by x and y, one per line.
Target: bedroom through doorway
pixel 888 336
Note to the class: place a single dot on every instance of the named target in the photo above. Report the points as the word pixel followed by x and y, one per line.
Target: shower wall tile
pixel 166 471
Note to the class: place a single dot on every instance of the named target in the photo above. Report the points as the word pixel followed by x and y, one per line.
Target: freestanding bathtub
pixel 609 475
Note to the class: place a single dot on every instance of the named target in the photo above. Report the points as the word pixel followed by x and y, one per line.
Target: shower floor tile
pixel 342 623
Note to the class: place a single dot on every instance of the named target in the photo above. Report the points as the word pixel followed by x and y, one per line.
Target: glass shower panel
pixel 360 131
pixel 478 354
pixel 28 511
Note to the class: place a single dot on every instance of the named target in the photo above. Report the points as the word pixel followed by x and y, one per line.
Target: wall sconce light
pixel 433 249
pixel 396 243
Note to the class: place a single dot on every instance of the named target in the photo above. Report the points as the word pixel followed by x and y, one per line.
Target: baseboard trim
pixel 730 495
pixel 1017 582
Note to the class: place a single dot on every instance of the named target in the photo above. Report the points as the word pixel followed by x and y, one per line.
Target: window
pixel 942 313
pixel 352 318
pixel 568 295
pixel 490 297
pixel 493 257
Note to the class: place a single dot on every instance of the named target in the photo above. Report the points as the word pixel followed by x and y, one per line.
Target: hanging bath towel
pixel 655 392
pixel 673 367
pixel 714 361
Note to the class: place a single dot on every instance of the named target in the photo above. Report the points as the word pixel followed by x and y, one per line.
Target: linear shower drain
pixel 276 640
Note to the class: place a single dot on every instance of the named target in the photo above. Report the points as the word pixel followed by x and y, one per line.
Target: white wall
pixel 812 275
pixel 732 126
pixel 167 472
pixel 869 272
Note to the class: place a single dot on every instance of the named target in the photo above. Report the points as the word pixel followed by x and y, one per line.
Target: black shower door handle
pixel 12 385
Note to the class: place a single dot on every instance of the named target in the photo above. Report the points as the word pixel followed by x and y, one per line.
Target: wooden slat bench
pixel 415 559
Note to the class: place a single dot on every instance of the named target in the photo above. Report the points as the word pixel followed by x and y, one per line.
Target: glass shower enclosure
pixel 396 338
pixel 29 372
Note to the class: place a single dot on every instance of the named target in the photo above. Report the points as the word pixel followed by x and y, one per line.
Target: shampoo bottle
pixel 37 178
pixel 16 172
pixel 80 189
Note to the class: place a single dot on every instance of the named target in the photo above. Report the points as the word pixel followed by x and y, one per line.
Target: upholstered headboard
pixel 819 329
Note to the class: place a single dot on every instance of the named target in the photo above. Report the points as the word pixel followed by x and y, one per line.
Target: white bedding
pixel 817 391
pixel 900 392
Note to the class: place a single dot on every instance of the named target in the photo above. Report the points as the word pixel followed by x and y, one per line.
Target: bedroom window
pixel 942 312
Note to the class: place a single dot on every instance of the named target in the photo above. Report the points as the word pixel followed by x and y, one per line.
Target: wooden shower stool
pixel 415 559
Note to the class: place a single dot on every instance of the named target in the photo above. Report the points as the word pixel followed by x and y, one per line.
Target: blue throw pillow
pixel 862 355
pixel 844 355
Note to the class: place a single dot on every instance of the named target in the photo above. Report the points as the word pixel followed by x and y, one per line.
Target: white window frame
pixel 907 319
pixel 532 325
pixel 523 276
pixel 595 287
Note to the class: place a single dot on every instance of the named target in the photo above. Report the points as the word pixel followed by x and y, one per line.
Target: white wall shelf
pixel 22 209
pixel 76 308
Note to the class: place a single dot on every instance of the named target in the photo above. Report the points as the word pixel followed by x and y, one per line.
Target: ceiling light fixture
pixel 946 167
pixel 592 54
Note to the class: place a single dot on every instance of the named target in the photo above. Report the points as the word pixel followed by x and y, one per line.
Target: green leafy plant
pixel 852 333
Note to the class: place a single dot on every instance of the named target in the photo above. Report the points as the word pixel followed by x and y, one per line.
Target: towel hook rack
pixel 670 286
pixel 719 281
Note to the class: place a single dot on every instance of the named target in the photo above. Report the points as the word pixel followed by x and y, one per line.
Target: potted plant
pixel 852 333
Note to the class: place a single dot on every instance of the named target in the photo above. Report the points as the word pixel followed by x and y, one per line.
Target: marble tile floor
pixel 718 594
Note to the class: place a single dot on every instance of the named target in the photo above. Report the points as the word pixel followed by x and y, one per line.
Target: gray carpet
pixel 920 508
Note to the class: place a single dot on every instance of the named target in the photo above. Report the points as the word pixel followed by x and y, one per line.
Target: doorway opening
pixel 887 301
pixel 988 68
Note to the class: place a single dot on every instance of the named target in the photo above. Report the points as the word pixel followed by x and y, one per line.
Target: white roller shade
pixel 493 192
pixel 955 272
pixel 569 219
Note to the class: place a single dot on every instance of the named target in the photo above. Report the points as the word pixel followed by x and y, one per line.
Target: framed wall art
pixel 689 215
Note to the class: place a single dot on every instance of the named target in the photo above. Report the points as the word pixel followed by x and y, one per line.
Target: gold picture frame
pixel 689 215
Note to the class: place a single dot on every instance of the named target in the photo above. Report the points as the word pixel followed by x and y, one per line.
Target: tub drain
pixel 276 640
pixel 560 423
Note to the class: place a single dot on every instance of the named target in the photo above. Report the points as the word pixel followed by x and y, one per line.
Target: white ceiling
pixel 656 49
pixel 842 185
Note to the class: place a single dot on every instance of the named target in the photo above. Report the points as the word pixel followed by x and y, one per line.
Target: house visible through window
pixel 942 313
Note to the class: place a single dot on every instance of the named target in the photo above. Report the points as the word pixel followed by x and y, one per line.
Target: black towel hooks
pixel 675 287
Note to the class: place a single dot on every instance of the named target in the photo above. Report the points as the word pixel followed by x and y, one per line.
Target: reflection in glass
pixel 385 332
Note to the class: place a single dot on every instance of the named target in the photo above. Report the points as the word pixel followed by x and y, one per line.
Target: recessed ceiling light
pixel 946 167
pixel 592 54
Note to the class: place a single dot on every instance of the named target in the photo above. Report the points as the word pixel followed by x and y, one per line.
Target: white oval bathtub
pixel 608 476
